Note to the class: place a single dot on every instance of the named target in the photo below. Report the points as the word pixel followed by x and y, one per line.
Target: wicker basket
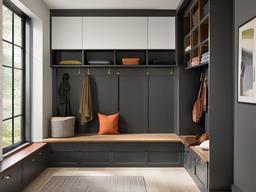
pixel 131 61
pixel 63 126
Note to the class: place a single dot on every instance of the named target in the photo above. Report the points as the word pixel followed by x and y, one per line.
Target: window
pixel 13 88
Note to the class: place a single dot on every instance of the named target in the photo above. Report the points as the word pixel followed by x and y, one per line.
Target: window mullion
pixel 12 78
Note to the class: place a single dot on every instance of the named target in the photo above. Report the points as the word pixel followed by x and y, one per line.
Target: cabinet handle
pixel 7 177
pixel 40 153
pixel 33 160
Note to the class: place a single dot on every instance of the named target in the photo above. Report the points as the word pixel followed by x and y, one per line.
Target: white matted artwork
pixel 247 62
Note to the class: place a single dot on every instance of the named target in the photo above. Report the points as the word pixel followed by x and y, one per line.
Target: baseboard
pixel 235 188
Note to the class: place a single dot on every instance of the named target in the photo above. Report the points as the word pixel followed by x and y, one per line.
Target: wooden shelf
pixel 113 66
pixel 196 24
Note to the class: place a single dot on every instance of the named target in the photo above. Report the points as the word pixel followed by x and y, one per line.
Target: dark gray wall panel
pixel 244 119
pixel 161 101
pixel 104 94
pixel 221 95
pixel 132 101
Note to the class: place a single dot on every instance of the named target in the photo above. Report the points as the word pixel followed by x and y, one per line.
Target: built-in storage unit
pixel 203 47
pixel 116 154
pixel 67 33
pixel 115 32
pixel 161 33
pixel 112 58
pixel 196 33
pixel 196 167
pixel 18 171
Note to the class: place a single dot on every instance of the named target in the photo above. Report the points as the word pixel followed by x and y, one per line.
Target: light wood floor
pixel 157 179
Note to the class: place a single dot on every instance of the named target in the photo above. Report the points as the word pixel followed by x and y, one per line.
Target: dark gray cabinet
pixel 30 169
pixel 115 154
pixel 33 166
pixel 197 168
pixel 161 101
pixel 104 86
pixel 64 154
pixel 133 101
pixel 21 174
pixel 11 180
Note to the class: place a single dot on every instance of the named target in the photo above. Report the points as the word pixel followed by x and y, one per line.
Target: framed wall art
pixel 247 62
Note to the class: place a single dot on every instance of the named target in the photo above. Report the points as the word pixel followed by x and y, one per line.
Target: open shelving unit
pixel 148 58
pixel 196 34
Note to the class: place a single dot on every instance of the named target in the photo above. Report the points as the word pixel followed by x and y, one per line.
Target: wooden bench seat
pixel 148 137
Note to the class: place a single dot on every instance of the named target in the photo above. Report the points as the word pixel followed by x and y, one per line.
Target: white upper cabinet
pixel 115 32
pixel 161 32
pixel 67 33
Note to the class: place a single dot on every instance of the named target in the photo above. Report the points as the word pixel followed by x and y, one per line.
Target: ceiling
pixel 112 4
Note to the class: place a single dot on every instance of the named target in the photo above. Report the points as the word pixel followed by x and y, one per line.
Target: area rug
pixel 95 184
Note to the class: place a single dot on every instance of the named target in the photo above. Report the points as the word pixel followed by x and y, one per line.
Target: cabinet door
pixel 161 33
pixel 11 180
pixel 161 101
pixel 42 160
pixel 30 170
pixel 64 154
pixel 66 32
pixel 115 33
pixel 132 101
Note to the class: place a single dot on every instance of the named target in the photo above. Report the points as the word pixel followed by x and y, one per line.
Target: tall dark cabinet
pixel 192 19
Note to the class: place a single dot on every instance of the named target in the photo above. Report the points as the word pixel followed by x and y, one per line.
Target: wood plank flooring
pixel 157 179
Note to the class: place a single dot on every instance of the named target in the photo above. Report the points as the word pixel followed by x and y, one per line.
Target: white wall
pixel 1 79
pixel 41 105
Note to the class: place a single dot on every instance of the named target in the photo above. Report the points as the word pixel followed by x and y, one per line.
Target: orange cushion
pixel 108 123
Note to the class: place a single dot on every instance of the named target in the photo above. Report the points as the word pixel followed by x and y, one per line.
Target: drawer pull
pixel 7 177
pixel 33 160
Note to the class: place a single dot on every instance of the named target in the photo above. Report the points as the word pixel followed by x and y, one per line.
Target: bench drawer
pixel 132 157
pixel 165 157
pixel 201 171
pixel 64 158
pixel 95 158
pixel 11 180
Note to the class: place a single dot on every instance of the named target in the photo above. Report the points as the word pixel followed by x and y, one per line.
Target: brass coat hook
pixel 88 72
pixel 172 71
